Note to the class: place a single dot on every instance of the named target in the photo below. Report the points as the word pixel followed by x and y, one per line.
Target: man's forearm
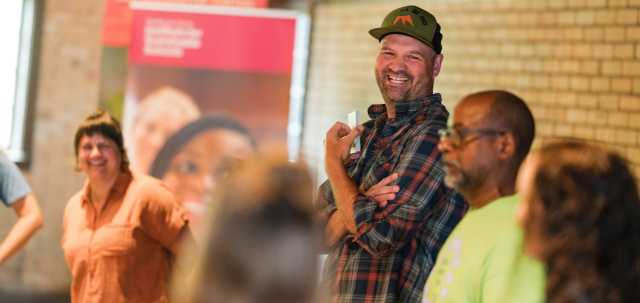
pixel 29 221
pixel 345 192
pixel 334 230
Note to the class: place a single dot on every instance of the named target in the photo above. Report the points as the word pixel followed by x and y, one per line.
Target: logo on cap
pixel 406 20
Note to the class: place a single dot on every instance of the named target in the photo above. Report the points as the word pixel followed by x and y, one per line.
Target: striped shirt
pixel 394 248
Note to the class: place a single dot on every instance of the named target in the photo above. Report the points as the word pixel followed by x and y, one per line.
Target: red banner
pixel 213 41
pixel 117 17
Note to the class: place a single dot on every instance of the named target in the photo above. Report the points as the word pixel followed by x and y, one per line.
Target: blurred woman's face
pixel 98 157
pixel 150 133
pixel 194 172
pixel 526 191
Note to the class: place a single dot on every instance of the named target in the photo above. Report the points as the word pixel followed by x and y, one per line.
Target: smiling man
pixel 386 208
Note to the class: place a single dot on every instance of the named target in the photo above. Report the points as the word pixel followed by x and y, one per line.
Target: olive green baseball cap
pixel 412 21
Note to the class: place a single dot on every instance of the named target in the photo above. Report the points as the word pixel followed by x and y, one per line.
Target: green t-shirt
pixel 481 257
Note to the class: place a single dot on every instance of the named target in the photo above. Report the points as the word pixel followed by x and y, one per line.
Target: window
pixel 17 32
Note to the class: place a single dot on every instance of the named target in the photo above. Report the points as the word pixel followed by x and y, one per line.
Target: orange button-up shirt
pixel 121 253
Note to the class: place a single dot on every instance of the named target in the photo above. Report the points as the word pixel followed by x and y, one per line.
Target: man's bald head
pixel 508 112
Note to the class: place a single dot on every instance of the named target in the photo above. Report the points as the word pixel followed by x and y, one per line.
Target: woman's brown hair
pixel 102 123
pixel 585 212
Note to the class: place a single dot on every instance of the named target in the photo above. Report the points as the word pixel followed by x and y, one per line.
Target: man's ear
pixel 437 64
pixel 506 146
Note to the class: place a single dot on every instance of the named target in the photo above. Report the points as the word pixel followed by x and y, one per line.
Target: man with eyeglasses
pixel 386 208
pixel 482 151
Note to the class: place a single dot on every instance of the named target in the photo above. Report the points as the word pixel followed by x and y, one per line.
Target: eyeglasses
pixel 460 136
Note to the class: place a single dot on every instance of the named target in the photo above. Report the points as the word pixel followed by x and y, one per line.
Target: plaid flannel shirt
pixel 395 247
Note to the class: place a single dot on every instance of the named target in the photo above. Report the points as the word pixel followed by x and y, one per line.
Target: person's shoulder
pixel 75 201
pixel 494 218
pixel 503 207
pixel 147 185
pixel 150 190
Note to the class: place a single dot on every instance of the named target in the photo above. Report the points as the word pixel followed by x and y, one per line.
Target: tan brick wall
pixel 66 91
pixel 576 63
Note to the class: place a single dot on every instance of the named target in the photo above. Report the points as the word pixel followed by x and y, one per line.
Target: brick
pixel 563 50
pixel 605 17
pixel 594 34
pixel 608 101
pixel 634 121
pixel 570 66
pixel 626 137
pixel 566 18
pixel 545 129
pixel 624 51
pixel 585 17
pixel 636 86
pixel 627 16
pixel 547 98
pixel 597 117
pixel 633 33
pixel 614 33
pixel 534 65
pixel 582 51
pixel 618 119
pixel 576 115
pixel 633 154
pixel 605 135
pixel 566 99
pixel 561 82
pixel 577 4
pixel 540 81
pixel 617 3
pixel 631 68
pixel 596 3
pixel 612 68
pixel 563 130
pixel 523 81
pixel 579 83
pixel 574 34
pixel 556 114
pixel 589 67
pixel 548 18
pixel 600 84
pixel 587 100
pixel 551 66
pixel 543 49
pixel 584 132
pixel 630 103
pixel 603 51
pixel 621 85
pixel 558 4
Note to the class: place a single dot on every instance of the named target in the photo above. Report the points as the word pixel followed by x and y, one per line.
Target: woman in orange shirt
pixel 122 230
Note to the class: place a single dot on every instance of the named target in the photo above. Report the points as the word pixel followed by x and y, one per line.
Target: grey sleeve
pixel 13 186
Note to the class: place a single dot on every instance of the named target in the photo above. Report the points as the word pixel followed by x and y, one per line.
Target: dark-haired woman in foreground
pixel 122 230
pixel 581 217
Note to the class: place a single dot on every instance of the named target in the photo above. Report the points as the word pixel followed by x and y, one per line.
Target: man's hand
pixel 338 141
pixel 382 192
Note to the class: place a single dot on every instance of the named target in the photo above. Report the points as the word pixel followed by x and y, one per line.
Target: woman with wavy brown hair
pixel 581 217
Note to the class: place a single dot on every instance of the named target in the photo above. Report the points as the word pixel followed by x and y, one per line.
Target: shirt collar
pixel 404 110
pixel 119 187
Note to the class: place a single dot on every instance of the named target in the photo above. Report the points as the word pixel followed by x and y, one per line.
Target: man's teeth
pixel 397 79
